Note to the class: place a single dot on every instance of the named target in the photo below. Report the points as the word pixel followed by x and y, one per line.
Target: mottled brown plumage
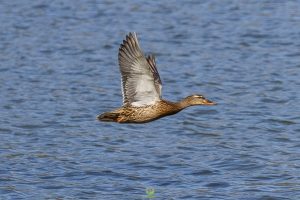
pixel 162 108
pixel 141 88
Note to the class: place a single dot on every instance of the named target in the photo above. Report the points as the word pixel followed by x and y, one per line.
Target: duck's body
pixel 141 87
pixel 142 114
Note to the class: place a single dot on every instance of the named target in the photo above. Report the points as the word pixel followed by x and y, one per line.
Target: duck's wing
pixel 141 84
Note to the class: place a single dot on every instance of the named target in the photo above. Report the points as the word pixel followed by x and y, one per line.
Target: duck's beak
pixel 208 102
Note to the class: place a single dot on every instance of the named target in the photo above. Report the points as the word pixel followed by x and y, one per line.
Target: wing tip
pixel 131 38
pixel 130 46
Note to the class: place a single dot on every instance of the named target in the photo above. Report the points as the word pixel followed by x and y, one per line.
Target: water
pixel 59 70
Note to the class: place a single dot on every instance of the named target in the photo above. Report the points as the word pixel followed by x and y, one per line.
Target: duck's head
pixel 198 99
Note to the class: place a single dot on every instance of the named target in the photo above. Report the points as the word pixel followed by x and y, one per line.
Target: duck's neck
pixel 184 103
pixel 170 108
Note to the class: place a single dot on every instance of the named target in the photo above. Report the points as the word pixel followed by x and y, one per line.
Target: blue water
pixel 59 69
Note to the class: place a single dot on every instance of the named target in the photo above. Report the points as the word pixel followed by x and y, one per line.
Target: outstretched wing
pixel 141 84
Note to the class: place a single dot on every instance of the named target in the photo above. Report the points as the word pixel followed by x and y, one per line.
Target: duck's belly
pixel 144 114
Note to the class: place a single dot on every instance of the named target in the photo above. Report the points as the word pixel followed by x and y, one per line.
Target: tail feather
pixel 108 117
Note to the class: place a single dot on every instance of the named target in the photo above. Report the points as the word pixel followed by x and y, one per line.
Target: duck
pixel 142 88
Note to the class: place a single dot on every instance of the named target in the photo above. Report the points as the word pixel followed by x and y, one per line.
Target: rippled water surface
pixel 58 70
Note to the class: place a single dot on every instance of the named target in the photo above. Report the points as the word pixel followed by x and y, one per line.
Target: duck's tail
pixel 108 117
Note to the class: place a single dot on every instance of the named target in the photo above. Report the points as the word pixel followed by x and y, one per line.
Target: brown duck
pixel 141 88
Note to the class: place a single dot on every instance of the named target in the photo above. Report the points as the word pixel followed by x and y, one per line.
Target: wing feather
pixel 157 80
